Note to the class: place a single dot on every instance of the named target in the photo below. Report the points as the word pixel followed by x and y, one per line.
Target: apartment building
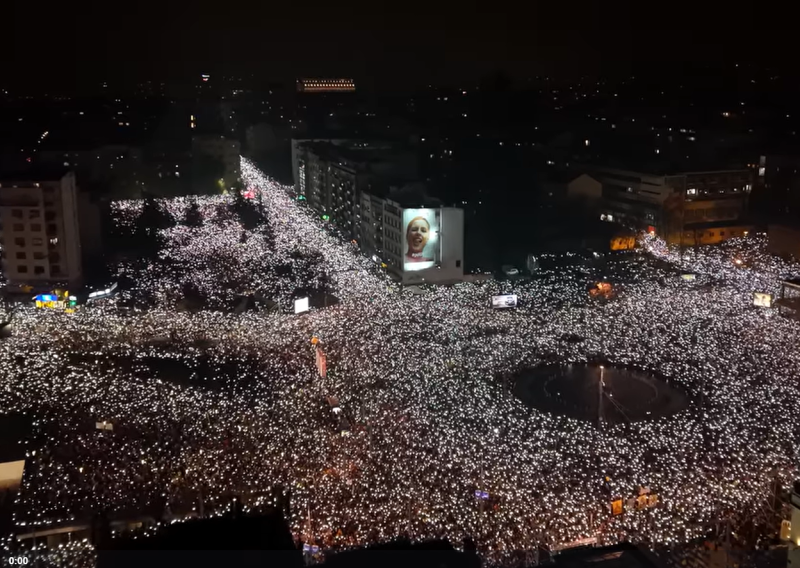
pixel 40 231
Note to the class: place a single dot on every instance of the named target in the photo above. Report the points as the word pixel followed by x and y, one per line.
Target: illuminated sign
pixel 762 299
pixel 481 494
pixel 57 301
pixel 504 301
pixel 301 305
pixel 420 239
pixel 623 243
pixel 689 277
pixel 96 295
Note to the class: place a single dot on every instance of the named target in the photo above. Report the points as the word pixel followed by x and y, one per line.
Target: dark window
pixel 39 255
pixel 722 233
pixel 34 214
pixel 19 227
pixel 36 227
pixel 458 264
pixel 21 256
pixel 55 257
pixel 52 229
pixel 22 268
pixel 49 190
pixel 55 269
pixel 37 241
pixel 19 241
pixel 38 269
pixel 49 215
pixel 16 213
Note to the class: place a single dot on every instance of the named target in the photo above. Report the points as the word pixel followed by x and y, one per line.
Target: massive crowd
pixel 208 404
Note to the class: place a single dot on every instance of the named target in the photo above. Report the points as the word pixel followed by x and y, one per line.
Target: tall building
pixel 325 86
pixel 684 207
pixel 40 236
pixel 224 150
pixel 779 187
pixel 332 176
pixel 420 241
pixel 367 190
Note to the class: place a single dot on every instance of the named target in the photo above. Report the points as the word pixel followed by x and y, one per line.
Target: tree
pixel 206 175
pixel 193 216
pixel 153 218
pixel 248 211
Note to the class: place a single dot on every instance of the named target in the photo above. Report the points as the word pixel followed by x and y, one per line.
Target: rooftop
pixel 35 173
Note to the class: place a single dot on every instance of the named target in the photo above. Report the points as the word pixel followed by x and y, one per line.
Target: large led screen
pixel 420 239
pixel 504 301
pixel 762 299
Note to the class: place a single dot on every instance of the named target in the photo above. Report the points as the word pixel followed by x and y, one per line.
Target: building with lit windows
pixel 388 225
pixel 778 183
pixel 40 231
pixel 690 208
pixel 325 86
pixel 332 175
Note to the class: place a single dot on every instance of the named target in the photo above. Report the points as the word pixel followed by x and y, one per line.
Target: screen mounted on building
pixel 420 239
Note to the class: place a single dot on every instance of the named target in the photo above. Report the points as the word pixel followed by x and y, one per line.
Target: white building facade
pixel 388 233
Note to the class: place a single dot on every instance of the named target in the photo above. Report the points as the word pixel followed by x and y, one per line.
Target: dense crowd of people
pixel 207 404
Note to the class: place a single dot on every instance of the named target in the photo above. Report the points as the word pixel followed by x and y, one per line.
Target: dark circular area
pixel 594 393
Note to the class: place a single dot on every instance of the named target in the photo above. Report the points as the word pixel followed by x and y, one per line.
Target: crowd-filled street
pixel 208 403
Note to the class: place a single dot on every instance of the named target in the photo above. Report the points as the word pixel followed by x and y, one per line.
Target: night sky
pixel 408 44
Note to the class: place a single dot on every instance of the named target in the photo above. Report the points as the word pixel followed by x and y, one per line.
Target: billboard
pixel 420 239
pixel 301 305
pixel 504 301
pixel 762 299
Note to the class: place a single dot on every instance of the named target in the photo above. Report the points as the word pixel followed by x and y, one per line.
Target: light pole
pixel 600 386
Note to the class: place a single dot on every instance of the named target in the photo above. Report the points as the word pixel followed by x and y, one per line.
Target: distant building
pixel 332 175
pixel 115 170
pixel 326 86
pixel 41 237
pixel 683 207
pixel 225 150
pixel 299 158
pixel 778 182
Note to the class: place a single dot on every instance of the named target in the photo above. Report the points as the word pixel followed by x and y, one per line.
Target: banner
pixel 322 363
